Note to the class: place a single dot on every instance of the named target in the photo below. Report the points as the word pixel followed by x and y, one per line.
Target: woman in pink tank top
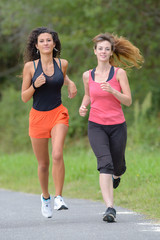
pixel 106 88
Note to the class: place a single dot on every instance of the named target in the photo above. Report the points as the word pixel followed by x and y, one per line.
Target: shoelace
pixel 59 198
pixel 46 203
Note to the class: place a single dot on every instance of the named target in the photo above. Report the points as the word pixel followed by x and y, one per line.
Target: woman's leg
pixel 40 148
pixel 99 142
pixel 58 134
pixel 118 138
pixel 106 186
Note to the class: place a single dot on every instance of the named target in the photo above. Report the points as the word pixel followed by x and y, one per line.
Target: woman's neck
pixel 47 64
pixel 47 59
pixel 103 67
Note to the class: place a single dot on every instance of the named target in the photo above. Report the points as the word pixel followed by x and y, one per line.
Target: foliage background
pixel 77 22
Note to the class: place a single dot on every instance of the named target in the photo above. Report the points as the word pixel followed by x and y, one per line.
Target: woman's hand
pixel 125 96
pixel 83 111
pixel 106 87
pixel 40 81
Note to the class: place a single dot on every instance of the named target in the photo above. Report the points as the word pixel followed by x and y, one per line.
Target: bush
pixel 144 128
pixel 13 122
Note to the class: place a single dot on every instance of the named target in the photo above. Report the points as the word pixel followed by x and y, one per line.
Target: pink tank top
pixel 105 108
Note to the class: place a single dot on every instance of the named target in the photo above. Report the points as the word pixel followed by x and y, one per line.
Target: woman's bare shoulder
pixel 30 65
pixel 64 62
pixel 121 71
pixel 86 74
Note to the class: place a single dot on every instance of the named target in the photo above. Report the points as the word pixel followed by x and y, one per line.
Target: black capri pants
pixel 108 143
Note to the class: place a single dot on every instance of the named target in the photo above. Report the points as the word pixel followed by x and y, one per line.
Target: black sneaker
pixel 110 215
pixel 116 182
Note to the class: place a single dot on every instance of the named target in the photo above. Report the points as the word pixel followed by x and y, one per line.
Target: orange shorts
pixel 42 122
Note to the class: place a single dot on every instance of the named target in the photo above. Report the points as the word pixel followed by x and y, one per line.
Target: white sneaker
pixel 59 203
pixel 46 207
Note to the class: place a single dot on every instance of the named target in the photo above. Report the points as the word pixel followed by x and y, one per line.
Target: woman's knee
pixel 119 171
pixel 57 156
pixel 43 167
pixel 105 165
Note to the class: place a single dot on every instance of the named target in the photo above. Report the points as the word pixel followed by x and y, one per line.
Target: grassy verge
pixel 139 189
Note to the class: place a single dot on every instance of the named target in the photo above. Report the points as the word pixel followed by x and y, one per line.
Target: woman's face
pixel 45 43
pixel 103 51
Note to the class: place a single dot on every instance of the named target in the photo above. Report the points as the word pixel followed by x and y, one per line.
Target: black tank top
pixel 48 96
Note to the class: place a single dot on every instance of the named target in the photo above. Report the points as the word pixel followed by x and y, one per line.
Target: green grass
pixel 139 189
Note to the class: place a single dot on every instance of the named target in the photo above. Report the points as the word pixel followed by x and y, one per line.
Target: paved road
pixel 20 219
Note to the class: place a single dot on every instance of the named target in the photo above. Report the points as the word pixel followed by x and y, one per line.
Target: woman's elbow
pixel 129 103
pixel 24 99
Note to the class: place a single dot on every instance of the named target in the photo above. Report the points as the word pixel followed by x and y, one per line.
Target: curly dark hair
pixel 30 53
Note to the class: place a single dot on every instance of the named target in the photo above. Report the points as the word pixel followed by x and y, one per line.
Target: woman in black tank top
pixel 43 77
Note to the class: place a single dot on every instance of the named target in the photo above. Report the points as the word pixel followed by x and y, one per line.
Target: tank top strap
pixel 90 75
pixel 56 64
pixel 34 65
pixel 60 63
pixel 115 73
pixel 37 68
pixel 111 73
pixel 116 70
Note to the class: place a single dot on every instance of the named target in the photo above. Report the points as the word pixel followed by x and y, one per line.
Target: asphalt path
pixel 21 219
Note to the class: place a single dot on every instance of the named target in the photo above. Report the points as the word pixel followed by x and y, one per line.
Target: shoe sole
pixel 109 218
pixel 61 208
pixel 46 216
pixel 50 216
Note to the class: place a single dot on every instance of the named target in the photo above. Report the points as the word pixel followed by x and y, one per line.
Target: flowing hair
pixel 31 53
pixel 124 52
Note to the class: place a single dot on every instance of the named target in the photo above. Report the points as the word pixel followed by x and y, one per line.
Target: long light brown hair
pixel 124 52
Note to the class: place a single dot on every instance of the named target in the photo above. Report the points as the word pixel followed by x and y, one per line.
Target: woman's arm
pixel 86 99
pixel 124 97
pixel 27 89
pixel 72 90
